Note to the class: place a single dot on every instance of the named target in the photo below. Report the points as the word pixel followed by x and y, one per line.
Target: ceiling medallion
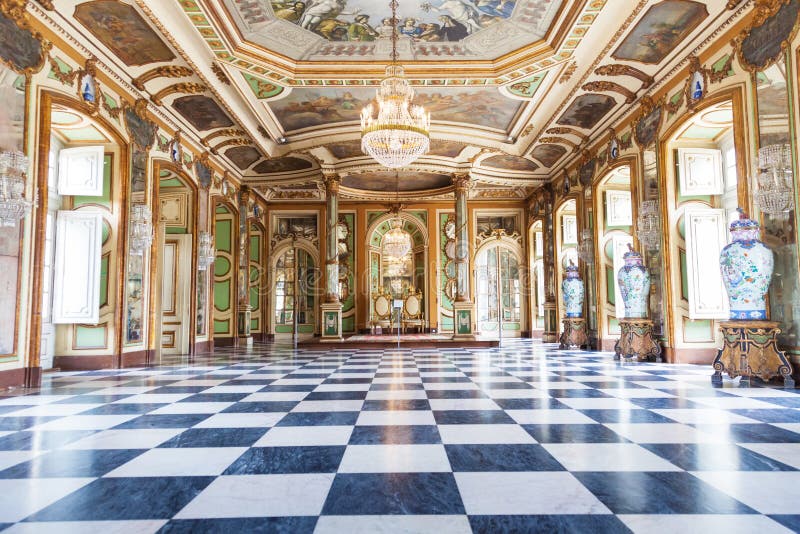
pixel 401 131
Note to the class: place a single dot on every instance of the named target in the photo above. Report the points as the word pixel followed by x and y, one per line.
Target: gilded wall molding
pixel 165 71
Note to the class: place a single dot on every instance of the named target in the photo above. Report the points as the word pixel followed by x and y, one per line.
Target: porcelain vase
pixel 634 284
pixel 572 292
pixel 747 266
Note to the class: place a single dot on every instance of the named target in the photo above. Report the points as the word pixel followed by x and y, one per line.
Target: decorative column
pixel 332 307
pixel 462 307
pixel 244 310
pixel 550 334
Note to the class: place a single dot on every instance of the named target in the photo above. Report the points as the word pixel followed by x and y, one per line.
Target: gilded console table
pixel 750 348
pixel 636 342
pixel 574 333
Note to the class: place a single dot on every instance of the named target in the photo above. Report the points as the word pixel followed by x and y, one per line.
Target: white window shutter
pixel 80 171
pixel 700 171
pixel 79 237
pixel 705 239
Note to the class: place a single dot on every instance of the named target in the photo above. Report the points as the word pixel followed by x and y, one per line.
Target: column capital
pixel 332 181
pixel 461 182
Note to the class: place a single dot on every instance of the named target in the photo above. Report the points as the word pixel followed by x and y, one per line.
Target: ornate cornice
pixel 165 71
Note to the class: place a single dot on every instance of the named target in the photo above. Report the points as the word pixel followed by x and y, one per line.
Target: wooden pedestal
pixel 750 348
pixel 574 334
pixel 636 342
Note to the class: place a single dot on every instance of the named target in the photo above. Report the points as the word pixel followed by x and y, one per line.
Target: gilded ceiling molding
pixel 733 3
pixel 613 87
pixel 558 140
pixel 47 4
pixel 188 88
pixel 166 71
pixel 615 69
pixel 568 72
pixel 237 141
pixel 225 132
pixel 220 74
pixel 562 130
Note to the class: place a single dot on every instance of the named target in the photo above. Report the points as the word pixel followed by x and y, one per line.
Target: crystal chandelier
pixel 141 229
pixel 586 247
pixel 648 229
pixel 396 242
pixel 401 131
pixel 775 193
pixel 13 205
pixel 206 255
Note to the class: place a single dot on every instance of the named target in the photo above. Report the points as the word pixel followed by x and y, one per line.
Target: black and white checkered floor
pixel 521 438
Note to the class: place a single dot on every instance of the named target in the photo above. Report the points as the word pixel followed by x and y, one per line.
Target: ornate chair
pixel 381 310
pixel 412 311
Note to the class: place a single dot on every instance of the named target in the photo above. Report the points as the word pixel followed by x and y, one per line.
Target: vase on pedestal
pixel 634 284
pixel 572 292
pixel 747 266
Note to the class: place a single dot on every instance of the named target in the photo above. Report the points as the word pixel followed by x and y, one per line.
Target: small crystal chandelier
pixel 141 229
pixel 648 229
pixel 396 242
pixel 13 205
pixel 775 193
pixel 401 131
pixel 586 247
pixel 206 255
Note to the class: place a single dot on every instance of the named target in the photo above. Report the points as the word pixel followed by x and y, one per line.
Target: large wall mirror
pixel 12 126
pixel 773 86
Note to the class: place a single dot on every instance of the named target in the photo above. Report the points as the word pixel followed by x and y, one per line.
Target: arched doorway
pixel 399 277
pixel 498 295
pixel 536 245
pixel 295 278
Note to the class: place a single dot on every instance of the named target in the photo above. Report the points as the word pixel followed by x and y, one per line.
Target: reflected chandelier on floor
pixel 400 133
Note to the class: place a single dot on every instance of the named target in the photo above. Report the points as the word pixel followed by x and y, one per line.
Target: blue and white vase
pixel 572 291
pixel 634 284
pixel 747 266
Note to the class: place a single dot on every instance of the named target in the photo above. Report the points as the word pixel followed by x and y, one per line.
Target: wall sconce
pixel 775 193
pixel 13 205
pixel 586 247
pixel 648 227
pixel 206 254
pixel 141 229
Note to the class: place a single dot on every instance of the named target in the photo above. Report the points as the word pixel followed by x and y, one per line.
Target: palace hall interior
pixel 399 266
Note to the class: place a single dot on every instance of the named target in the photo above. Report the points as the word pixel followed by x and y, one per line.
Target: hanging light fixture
pixel 13 205
pixel 401 131
pixel 206 255
pixel 648 228
pixel 141 229
pixel 396 242
pixel 775 193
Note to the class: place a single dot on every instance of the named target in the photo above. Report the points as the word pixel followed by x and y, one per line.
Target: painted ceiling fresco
pixel 385 181
pixel 243 156
pixel 202 112
pixel 120 28
pixel 511 163
pixel 587 110
pixel 286 164
pixel 548 155
pixel 305 108
pixel 368 20
pixel 660 29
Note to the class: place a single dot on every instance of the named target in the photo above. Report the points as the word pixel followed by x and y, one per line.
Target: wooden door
pixel 176 279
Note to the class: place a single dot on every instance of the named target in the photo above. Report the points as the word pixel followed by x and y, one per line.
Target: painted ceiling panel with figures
pixel 275 88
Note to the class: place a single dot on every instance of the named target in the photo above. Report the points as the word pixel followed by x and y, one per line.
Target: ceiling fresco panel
pixel 384 181
pixel 306 108
pixel 658 32
pixel 511 163
pixel 123 31
pixel 202 112
pixel 549 155
pixel 243 156
pixel 280 165
pixel 368 20
pixel 587 110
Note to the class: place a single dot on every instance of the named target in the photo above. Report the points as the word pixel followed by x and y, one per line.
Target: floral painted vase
pixel 746 265
pixel 634 284
pixel 572 291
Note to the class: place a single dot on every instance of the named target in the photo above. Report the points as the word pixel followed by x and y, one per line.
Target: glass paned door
pixel 498 290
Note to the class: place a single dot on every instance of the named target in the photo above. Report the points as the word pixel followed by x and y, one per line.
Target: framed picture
pixel 618 208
